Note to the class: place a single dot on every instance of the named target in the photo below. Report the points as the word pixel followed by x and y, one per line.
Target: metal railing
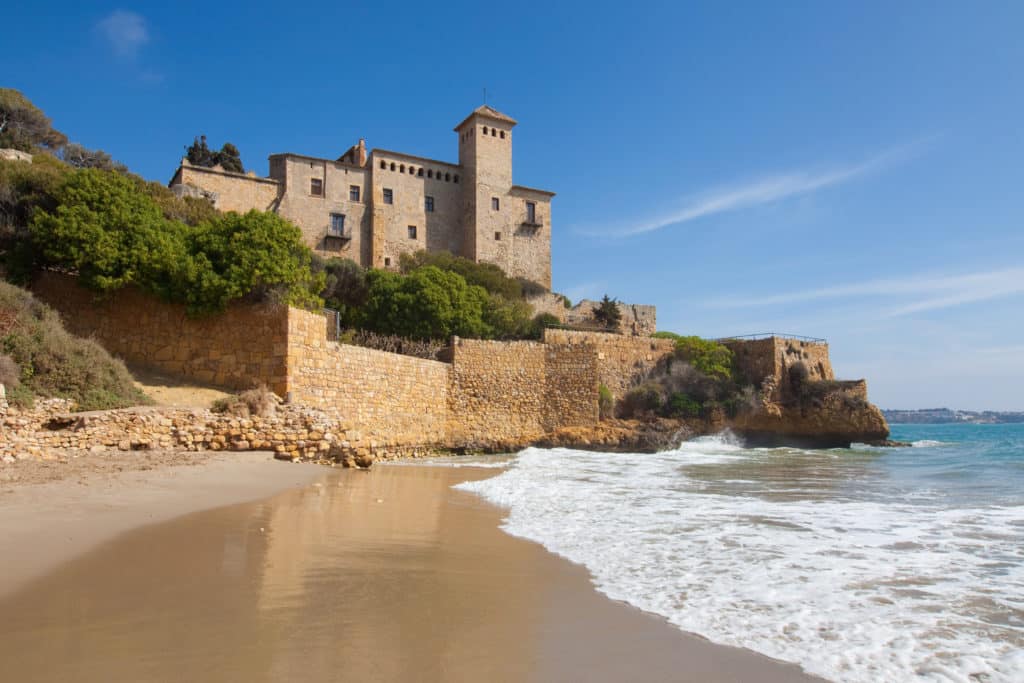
pixel 333 320
pixel 769 335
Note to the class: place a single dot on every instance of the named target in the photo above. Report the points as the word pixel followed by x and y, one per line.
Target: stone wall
pixel 391 399
pixel 637 319
pixel 244 347
pixel 229 191
pixel 774 356
pixel 515 392
pixel 621 361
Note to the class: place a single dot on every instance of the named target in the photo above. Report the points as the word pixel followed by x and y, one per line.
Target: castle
pixel 373 206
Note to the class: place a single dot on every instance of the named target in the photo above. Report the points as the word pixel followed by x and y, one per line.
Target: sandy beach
pixel 386 575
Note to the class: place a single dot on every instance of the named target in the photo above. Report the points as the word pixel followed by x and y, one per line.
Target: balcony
pixel 342 235
pixel 533 224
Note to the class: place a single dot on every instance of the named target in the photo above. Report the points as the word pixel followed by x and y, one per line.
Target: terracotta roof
pixel 489 112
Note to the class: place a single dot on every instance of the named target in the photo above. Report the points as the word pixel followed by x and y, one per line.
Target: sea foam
pixel 853 588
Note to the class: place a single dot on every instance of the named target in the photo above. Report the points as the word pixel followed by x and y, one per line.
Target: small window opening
pixel 429 204
pixel 531 212
pixel 401 169
pixel 497 237
pixel 316 187
pixel 337 228
pixel 494 132
pixel 387 261
pixel 485 133
pixel 383 165
pixel 430 173
pixel 389 197
pixel 495 204
pixel 502 135
pixel 353 193
pixel 392 166
pixel 456 179
pixel 420 173
pixel 412 232
pixel 447 177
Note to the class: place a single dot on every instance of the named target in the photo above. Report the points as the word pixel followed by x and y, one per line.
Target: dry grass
pixel 261 402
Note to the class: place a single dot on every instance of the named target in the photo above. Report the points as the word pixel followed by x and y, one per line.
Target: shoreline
pixel 419 577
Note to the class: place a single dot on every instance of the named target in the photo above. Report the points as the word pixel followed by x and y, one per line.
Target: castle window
pixel 497 237
pixel 389 196
pixel 531 212
pixel 353 193
pixel 485 130
pixel 401 169
pixel 412 232
pixel 412 171
pixel 502 135
pixel 383 165
pixel 420 173
pixel 456 178
pixel 429 204
pixel 447 177
pixel 494 132
pixel 430 173
pixel 495 204
pixel 316 187
pixel 337 228
pixel 392 166
pixel 387 261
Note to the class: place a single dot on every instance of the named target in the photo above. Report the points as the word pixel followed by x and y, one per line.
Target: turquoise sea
pixel 864 564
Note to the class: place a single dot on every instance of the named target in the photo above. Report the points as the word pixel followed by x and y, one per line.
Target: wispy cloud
pixel 125 31
pixel 765 190
pixel 938 291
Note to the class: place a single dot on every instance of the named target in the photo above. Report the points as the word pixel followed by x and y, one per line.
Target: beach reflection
pixel 382 575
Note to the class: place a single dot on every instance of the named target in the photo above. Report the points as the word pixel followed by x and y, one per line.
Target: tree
pixel 429 303
pixel 256 255
pixel 229 158
pixel 345 288
pixel 106 231
pixel 607 313
pixel 24 126
pixel 79 156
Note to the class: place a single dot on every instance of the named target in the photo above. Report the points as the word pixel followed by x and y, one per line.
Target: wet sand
pixel 54 510
pixel 387 575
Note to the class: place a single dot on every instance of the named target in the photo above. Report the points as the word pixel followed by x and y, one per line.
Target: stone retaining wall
pixel 622 361
pixel 245 346
pixel 393 399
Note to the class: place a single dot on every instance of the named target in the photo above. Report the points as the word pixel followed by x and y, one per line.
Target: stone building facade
pixel 374 205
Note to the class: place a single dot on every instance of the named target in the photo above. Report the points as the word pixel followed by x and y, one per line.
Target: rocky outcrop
pixel 821 415
pixel 15 155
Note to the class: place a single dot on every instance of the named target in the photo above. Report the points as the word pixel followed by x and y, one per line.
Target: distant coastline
pixel 948 416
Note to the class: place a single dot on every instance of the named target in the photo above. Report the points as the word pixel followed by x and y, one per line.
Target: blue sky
pixel 850 171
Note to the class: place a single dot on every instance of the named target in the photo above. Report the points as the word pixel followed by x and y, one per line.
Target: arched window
pixel 392 166
pixel 485 130
pixel 430 173
pixel 383 165
pixel 494 132
pixel 502 135
pixel 456 179
pixel 401 169
pixel 420 172
pixel 447 177
pixel 412 171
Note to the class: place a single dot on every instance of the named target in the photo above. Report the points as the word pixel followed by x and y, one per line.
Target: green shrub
pixel 682 405
pixel 486 275
pixel 607 313
pixel 605 402
pixel 53 363
pixel 707 356
pixel 541 322
pixel 646 399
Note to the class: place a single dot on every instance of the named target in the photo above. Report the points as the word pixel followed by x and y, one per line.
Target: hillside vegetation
pixel 38 357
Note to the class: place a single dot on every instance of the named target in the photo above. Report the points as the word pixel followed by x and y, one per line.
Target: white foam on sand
pixel 852 590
